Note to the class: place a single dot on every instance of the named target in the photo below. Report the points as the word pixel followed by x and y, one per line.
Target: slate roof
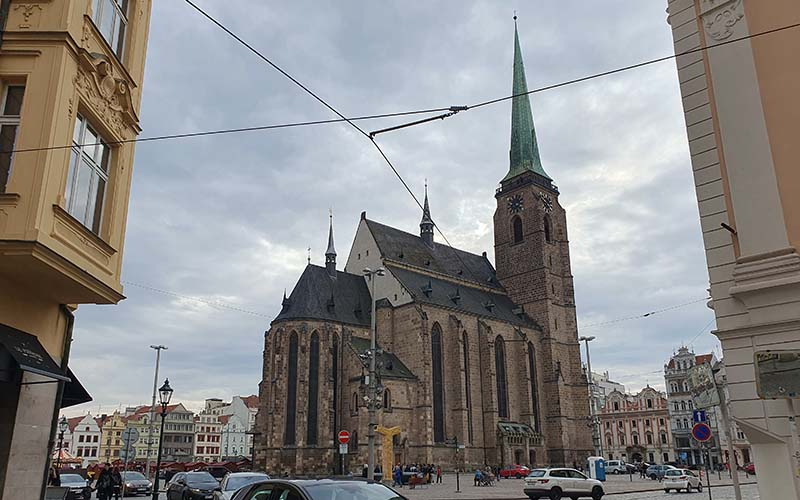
pixel 392 366
pixel 311 298
pixel 409 248
pixel 442 293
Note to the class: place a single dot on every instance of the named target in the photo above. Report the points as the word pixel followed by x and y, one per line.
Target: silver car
pixel 235 480
pixel 136 484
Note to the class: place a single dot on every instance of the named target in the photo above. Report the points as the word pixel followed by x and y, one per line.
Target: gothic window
pixel 289 434
pixel 534 385
pixel 548 237
pixel 313 389
pixel 354 441
pixel 354 404
pixel 438 384
pixel 335 381
pixel 467 390
pixel 500 377
pixel 387 400
pixel 516 228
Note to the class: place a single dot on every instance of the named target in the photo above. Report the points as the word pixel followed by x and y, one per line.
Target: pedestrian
pixel 497 473
pixel 477 477
pixel 438 474
pixel 104 484
pixel 116 479
pixel 53 477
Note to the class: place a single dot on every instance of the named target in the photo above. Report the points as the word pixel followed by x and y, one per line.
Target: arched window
pixel 685 423
pixel 649 438
pixel 289 434
pixel 354 441
pixel 534 386
pixel 387 400
pixel 500 377
pixel 467 390
pixel 354 404
pixel 335 382
pixel 548 236
pixel 516 228
pixel 313 389
pixel 635 438
pixel 622 439
pixel 683 405
pixel 438 384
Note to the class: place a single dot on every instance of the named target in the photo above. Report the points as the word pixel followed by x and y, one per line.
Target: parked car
pixel 235 480
pixel 560 482
pixel 217 471
pixel 517 471
pixel 681 479
pixel 319 489
pixel 78 486
pixel 192 486
pixel 616 467
pixel 750 468
pixel 658 471
pixel 136 483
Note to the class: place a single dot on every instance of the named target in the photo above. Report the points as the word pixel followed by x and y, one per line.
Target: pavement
pixel 616 487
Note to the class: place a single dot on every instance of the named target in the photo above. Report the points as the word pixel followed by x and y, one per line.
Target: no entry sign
pixel 701 432
pixel 344 437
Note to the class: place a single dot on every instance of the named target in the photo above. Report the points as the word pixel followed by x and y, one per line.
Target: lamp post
pixel 596 441
pixel 158 349
pixel 62 428
pixel 372 383
pixel 164 395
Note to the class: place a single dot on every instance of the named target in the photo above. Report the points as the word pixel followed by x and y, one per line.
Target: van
pixel 616 467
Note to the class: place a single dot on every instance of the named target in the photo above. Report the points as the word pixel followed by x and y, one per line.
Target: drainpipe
pixel 59 393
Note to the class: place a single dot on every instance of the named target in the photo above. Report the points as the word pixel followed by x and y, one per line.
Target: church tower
pixel 533 265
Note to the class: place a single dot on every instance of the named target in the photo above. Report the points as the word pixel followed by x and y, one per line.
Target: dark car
pixel 78 486
pixel 192 486
pixel 517 471
pixel 317 489
pixel 136 484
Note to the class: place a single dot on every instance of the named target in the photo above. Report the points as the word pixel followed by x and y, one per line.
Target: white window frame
pixel 81 158
pixel 119 11
pixel 10 120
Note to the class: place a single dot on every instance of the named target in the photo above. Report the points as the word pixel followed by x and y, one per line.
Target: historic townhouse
pixel 636 427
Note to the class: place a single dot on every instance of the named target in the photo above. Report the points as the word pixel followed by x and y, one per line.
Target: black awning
pixel 29 353
pixel 74 392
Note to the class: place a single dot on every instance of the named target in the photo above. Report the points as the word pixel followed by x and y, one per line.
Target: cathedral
pixel 485 357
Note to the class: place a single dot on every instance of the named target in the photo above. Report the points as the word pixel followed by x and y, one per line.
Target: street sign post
pixel 699 416
pixel 343 448
pixel 344 437
pixel 129 437
pixel 701 432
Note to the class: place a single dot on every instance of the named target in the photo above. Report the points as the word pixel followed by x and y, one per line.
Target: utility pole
pixel 150 427
pixel 372 382
pixel 596 441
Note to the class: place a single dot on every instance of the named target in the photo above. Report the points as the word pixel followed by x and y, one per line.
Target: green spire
pixel 524 153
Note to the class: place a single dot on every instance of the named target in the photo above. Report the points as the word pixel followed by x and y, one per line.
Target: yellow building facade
pixel 111 437
pixel 70 88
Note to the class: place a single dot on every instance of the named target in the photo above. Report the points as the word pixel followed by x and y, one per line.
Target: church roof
pixel 391 366
pixel 344 299
pixel 408 248
pixel 430 290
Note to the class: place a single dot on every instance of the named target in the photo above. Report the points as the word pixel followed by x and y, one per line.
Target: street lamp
pixel 62 428
pixel 158 349
pixel 164 395
pixel 596 441
pixel 372 385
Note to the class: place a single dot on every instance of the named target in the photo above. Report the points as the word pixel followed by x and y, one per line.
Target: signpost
pixel 344 438
pixel 699 416
pixel 701 432
pixel 129 436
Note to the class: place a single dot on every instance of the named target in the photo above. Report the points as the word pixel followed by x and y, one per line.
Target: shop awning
pixel 74 392
pixel 29 353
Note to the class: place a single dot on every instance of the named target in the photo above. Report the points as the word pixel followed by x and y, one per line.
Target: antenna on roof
pixel 309 255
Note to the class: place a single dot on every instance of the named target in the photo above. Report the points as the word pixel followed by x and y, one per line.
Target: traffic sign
pixel 343 448
pixel 130 435
pixel 699 416
pixel 344 437
pixel 127 454
pixel 701 432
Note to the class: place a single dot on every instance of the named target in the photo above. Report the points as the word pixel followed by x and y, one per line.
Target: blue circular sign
pixel 701 432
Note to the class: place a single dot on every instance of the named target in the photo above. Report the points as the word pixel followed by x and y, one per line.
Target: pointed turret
pixel 330 253
pixel 426 225
pixel 524 154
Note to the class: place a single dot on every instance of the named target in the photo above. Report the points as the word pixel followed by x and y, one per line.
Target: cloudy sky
pixel 227 219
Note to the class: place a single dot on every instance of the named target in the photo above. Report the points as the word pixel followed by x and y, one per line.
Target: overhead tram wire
pixel 452 110
pixel 213 303
pixel 645 315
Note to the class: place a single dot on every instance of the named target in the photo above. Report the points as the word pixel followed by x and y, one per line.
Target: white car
pixel 235 480
pixel 561 482
pixel 616 467
pixel 681 479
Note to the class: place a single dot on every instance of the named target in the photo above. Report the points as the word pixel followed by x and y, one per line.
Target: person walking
pixel 438 474
pixel 104 484
pixel 53 477
pixel 116 479
pixel 477 477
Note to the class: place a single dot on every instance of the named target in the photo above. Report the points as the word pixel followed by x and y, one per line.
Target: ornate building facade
pixel 486 355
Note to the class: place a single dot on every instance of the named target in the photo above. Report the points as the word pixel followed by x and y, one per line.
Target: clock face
pixel 547 203
pixel 515 204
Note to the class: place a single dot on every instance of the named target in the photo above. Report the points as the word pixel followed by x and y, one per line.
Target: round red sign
pixel 344 437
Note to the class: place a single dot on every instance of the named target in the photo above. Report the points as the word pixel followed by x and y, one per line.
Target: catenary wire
pixel 213 303
pixel 645 315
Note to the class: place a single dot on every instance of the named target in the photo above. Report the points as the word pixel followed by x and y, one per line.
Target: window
pixel 635 439
pixel 354 404
pixel 88 175
pixel 616 406
pixel 80 439
pixel 534 386
pixel 313 389
pixel 676 405
pixel 651 457
pixel 649 438
pixel 608 441
pixel 686 424
pixel 467 390
pixel 516 228
pixel 683 405
pixel 663 438
pixel 666 457
pixel 335 381
pixel 387 400
pixel 438 384
pixel 608 425
pixel 500 377
pixel 649 403
pixel 111 18
pixel 647 423
pixel 622 439
pixel 9 123
pixel 661 422
pixel 289 436
pixel 547 229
